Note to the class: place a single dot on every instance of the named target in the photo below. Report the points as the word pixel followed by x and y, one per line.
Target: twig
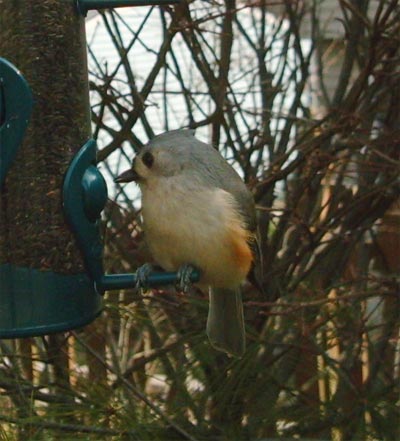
pixel 41 424
pixel 317 302
pixel 135 391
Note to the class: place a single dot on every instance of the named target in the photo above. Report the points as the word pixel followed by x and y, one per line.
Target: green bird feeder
pixel 51 192
pixel 45 119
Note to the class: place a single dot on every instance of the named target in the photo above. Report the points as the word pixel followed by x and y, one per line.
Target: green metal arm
pixel 85 5
pixel 84 198
pixel 110 282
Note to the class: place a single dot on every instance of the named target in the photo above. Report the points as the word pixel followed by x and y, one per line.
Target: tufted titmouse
pixel 197 210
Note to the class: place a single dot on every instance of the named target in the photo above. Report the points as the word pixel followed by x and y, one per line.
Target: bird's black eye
pixel 148 159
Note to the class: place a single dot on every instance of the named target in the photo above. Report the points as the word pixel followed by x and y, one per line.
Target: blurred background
pixel 303 99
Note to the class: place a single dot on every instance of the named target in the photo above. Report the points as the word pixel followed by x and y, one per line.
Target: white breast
pixel 187 224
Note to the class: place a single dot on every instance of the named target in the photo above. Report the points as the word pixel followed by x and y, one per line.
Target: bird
pixel 198 213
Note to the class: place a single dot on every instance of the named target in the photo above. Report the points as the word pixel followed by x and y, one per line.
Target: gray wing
pixel 217 172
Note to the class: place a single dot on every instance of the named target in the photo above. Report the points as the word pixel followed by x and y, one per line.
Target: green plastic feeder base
pixel 34 302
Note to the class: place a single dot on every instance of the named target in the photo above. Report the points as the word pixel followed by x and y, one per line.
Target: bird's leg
pixel 184 277
pixel 142 274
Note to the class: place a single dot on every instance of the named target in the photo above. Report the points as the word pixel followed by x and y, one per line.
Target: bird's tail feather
pixel 225 323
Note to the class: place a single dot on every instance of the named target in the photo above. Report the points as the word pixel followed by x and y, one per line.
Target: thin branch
pixel 136 392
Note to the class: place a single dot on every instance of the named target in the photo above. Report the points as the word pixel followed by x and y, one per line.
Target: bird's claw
pixel 184 276
pixel 142 274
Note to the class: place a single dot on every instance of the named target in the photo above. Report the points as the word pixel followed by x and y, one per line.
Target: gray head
pixel 165 155
pixel 179 153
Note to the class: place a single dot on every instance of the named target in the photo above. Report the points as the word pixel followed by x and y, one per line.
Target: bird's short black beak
pixel 127 176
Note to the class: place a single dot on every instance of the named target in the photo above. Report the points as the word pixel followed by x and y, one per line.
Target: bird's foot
pixel 184 276
pixel 142 274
